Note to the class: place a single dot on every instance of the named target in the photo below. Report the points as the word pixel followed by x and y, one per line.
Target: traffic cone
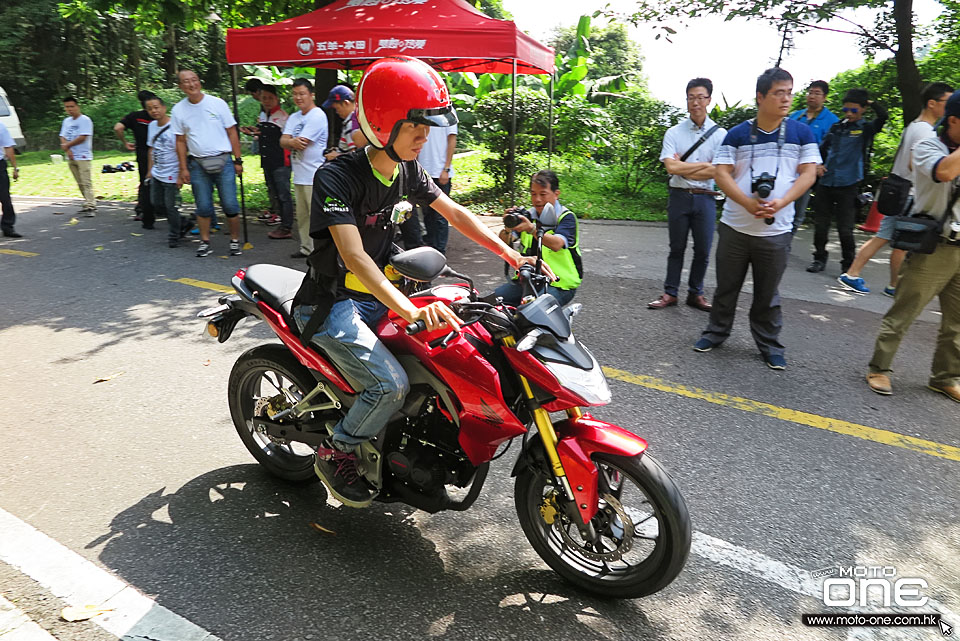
pixel 872 224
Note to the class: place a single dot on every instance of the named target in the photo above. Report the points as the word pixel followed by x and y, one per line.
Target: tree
pixel 893 31
pixel 612 52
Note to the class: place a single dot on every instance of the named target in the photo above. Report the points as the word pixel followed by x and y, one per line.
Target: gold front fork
pixel 547 434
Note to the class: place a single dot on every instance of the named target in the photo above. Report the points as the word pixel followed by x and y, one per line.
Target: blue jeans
pixel 688 214
pixel 511 292
pixel 202 184
pixel 438 229
pixel 347 337
pixel 163 198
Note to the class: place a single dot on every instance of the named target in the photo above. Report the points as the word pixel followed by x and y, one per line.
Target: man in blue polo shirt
pixel 819 119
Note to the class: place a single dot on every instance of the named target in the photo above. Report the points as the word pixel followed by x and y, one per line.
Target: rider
pixel 358 200
pixel 561 243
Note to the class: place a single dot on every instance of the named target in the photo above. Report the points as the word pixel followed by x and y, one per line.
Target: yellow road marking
pixel 16 252
pixel 202 284
pixel 865 432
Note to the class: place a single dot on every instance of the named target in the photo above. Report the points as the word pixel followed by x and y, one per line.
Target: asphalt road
pixel 143 474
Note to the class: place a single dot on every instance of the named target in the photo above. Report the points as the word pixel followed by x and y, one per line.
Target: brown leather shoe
pixel 880 383
pixel 665 300
pixel 699 301
pixel 950 391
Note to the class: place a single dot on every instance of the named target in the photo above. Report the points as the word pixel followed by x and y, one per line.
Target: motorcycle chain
pixel 611 509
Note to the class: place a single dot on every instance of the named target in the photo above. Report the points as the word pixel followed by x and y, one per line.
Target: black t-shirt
pixel 137 122
pixel 346 192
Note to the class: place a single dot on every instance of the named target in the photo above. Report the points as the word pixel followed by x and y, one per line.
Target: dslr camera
pixel 763 184
pixel 512 218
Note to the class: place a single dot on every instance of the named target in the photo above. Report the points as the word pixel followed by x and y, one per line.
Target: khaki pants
pixel 304 194
pixel 924 276
pixel 81 173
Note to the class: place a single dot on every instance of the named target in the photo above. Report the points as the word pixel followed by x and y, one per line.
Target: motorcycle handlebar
pixel 416 328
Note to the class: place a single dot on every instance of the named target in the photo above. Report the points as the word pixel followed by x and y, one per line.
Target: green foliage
pixel 731 115
pixel 581 128
pixel 494 117
pixel 611 51
pixel 640 121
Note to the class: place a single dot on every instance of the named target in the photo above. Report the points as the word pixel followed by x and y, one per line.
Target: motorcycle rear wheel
pixel 652 557
pixel 260 374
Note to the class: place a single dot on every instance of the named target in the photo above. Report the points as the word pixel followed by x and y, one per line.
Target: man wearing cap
pixel 936 174
pixel 342 100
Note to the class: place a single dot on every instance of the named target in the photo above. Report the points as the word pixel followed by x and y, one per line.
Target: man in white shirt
pixel 934 98
pixel 936 173
pixel 76 139
pixel 305 134
pixel 688 150
pixel 436 158
pixel 206 134
pixel 6 203
pixel 763 166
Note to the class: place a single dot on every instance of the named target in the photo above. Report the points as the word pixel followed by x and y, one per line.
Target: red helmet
pixel 401 89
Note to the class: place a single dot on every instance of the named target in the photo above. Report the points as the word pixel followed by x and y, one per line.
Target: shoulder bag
pixel 921 233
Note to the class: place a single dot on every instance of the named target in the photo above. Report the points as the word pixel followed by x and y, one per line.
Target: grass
pixel 41 177
pixel 588 188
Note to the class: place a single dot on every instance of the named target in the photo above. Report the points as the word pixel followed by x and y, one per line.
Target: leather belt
pixel 706 192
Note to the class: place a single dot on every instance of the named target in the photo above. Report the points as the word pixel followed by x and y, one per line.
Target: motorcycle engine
pixel 426 455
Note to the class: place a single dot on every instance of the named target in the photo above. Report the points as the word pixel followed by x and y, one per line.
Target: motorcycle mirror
pixel 421 264
pixel 548 216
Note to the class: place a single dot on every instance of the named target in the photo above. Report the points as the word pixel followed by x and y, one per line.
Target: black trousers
pixel 839 205
pixel 9 217
pixel 767 257
pixel 144 206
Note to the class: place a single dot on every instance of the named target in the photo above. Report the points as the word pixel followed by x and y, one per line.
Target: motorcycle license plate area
pixel 212 311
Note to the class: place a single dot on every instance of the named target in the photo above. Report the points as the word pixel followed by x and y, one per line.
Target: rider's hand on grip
pixel 436 315
pixel 416 328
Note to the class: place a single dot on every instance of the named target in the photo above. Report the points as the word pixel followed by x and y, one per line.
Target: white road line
pixel 801 582
pixel 79 582
pixel 15 625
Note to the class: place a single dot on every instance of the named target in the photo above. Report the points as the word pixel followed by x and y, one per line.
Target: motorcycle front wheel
pixel 264 381
pixel 642 528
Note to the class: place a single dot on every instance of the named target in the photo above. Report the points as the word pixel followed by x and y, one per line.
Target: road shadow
pixel 234 551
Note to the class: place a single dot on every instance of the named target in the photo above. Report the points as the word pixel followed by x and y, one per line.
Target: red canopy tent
pixel 451 35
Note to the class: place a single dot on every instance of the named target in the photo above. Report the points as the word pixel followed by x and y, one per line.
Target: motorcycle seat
pixel 276 286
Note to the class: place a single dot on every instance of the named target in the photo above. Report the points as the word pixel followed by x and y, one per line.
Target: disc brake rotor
pixel 612 523
pixel 269 406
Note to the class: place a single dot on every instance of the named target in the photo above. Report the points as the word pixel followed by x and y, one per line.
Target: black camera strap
pixel 781 139
pixel 702 139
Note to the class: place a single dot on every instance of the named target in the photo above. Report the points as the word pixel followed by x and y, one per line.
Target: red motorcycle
pixel 591 500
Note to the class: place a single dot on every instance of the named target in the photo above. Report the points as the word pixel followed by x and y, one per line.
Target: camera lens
pixel 510 220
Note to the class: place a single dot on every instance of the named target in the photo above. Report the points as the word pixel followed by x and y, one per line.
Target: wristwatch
pixel 237 161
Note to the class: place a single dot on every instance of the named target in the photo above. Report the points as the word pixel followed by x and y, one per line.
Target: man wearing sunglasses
pixel 845 151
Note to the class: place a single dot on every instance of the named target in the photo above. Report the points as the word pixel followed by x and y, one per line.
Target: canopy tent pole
pixel 550 125
pixel 236 116
pixel 512 171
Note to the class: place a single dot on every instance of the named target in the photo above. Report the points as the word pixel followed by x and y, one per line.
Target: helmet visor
pixel 438 117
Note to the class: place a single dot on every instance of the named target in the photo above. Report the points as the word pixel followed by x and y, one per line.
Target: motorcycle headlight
pixel 590 385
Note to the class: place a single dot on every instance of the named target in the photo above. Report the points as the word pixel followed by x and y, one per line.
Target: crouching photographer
pixel 561 240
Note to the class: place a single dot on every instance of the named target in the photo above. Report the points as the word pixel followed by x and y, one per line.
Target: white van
pixel 8 116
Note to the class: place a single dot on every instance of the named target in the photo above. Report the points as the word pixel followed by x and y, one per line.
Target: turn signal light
pixel 241 273
pixel 213 330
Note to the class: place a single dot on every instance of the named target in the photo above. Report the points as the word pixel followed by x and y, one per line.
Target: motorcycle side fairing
pixel 486 420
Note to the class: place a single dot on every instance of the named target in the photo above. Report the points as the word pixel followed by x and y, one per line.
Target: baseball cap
pixel 338 94
pixel 953 105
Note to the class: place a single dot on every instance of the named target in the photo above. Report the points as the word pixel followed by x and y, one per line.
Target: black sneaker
pixel 338 471
pixel 235 248
pixel 816 266
pixel 204 249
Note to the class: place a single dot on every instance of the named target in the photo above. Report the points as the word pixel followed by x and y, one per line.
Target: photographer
pixel 936 174
pixel 845 151
pixel 561 244
pixel 763 166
